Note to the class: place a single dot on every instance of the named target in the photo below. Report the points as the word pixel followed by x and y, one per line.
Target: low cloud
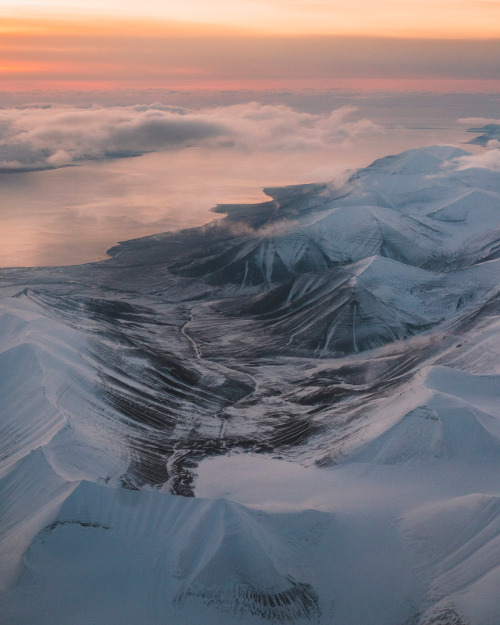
pixel 281 128
pixel 489 159
pixel 46 138
pixel 49 137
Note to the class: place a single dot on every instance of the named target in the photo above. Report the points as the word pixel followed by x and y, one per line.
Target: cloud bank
pixel 34 138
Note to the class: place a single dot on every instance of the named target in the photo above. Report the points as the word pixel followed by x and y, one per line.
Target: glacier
pixel 289 415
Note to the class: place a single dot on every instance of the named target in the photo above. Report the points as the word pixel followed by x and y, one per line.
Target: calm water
pixel 73 215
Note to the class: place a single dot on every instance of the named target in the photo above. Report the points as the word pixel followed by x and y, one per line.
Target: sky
pixel 449 18
pixel 254 44
pixel 123 118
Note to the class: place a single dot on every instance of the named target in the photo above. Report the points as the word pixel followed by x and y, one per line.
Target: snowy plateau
pixel 290 415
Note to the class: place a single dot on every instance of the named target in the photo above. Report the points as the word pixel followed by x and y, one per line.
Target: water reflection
pixel 73 215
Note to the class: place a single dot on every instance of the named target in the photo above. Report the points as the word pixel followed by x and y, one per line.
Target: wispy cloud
pixel 478 121
pixel 489 159
pixel 50 137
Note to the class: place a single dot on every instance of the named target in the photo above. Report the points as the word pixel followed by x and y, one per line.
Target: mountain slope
pixel 287 416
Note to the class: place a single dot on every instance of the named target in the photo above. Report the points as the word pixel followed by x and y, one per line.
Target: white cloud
pixel 39 138
pixel 489 159
pixel 281 128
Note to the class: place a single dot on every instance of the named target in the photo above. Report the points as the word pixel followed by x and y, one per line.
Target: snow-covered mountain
pixel 489 132
pixel 290 415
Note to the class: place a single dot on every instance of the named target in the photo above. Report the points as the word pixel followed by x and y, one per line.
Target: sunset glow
pixel 403 18
pixel 223 45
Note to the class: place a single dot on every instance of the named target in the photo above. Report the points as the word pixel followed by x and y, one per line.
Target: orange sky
pixel 438 18
pixel 88 44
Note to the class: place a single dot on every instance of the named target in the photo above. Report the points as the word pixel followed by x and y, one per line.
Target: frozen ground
pixel 289 416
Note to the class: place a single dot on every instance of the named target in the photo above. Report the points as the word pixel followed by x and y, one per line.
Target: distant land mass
pixel 490 132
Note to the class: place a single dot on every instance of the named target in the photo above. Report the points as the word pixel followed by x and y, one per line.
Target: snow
pixel 491 132
pixel 290 416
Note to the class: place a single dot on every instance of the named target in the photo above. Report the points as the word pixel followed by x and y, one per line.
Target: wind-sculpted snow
pixel 180 552
pixel 290 415
pixel 462 538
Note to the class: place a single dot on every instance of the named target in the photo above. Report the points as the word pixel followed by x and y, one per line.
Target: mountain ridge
pixel 322 367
